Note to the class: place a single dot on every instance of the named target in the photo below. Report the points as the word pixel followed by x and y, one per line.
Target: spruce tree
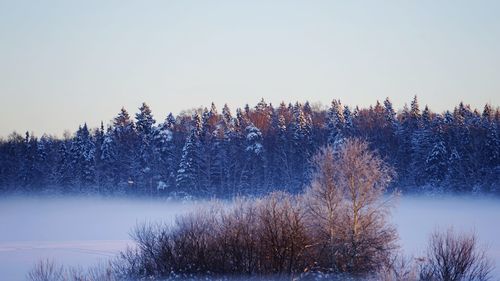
pixel 125 142
pixel 436 161
pixel 144 169
pixel 335 123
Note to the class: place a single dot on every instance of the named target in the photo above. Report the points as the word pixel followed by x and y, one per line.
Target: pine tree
pixel 335 123
pixel 436 161
pixel 144 121
pixel 227 118
pixel 169 122
pixel 108 173
pixel 455 175
pixel 31 173
pixel 302 148
pixel 213 116
pixel 422 145
pixel 83 161
pixel 283 175
pixel 390 128
pixel 404 139
pixel 44 158
pixel 426 117
pixel 190 166
pixel 122 124
pixel 144 158
pixel 125 141
pixel 10 166
pixel 236 154
pixel 164 156
pixel 349 122
pixel 187 174
pixel 218 169
pixel 261 117
pixel 491 160
pixel 197 125
pixel 64 174
pixel 488 113
pixel 98 137
pixel 390 115
pixel 376 130
pixel 415 115
pixel 83 153
pixel 255 162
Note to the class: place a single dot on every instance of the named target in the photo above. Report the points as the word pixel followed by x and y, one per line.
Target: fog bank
pixel 84 231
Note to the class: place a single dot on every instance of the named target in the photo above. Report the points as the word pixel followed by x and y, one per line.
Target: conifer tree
pixel 125 143
pixel 83 153
pixel 189 172
pixel 335 123
pixel 255 162
pixel 436 161
pixel 302 147
pixel 164 155
pixel 109 174
pixel 144 170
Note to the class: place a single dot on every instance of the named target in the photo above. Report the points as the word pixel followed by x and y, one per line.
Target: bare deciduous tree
pixel 398 268
pixel 46 270
pixel 455 257
pixel 282 234
pixel 238 237
pixel 347 209
pixel 323 200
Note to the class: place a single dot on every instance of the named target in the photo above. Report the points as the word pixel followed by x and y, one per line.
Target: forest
pixel 205 152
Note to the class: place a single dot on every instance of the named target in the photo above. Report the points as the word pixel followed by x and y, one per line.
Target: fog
pixel 72 231
pixel 85 231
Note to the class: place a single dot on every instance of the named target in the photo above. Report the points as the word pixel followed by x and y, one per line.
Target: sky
pixel 63 63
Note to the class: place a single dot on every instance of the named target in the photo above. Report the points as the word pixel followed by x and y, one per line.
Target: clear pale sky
pixel 66 62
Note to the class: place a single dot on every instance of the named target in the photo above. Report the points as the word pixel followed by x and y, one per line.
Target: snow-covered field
pixel 82 232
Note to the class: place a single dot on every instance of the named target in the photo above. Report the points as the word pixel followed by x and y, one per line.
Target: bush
pixel 455 257
pixel 46 270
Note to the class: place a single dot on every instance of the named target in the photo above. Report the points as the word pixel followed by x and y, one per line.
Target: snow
pixel 71 231
pixel 417 217
pixel 84 231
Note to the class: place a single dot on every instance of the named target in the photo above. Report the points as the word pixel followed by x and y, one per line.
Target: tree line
pixel 204 152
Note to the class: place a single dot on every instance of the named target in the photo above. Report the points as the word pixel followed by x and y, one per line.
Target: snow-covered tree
pixel 125 145
pixel 349 122
pixel 390 114
pixel 255 162
pixel 164 155
pixel 436 162
pixel 83 153
pixel 302 147
pixel 145 153
pixel 415 116
pixel 108 160
pixel 187 174
pixel 335 123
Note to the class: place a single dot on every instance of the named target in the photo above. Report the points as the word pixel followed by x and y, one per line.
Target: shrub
pixel 455 257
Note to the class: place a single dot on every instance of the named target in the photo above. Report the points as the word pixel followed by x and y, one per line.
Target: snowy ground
pixel 417 217
pixel 71 231
pixel 83 232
